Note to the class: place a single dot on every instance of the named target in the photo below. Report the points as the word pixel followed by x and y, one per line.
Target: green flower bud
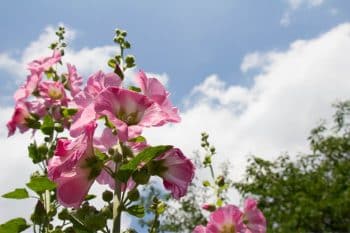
pixel 220 181
pixel 134 194
pixel 107 196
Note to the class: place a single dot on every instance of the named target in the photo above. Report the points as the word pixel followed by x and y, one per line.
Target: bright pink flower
pixel 53 93
pixel 129 111
pixel 43 64
pixel 74 81
pixel 178 172
pixel 28 88
pixel 68 168
pixel 256 222
pixel 84 100
pixel 227 219
pixel 154 90
pixel 19 118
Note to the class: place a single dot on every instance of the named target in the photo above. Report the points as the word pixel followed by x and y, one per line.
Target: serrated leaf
pixel 14 226
pixel 40 184
pixel 126 170
pixel 136 210
pixel 17 194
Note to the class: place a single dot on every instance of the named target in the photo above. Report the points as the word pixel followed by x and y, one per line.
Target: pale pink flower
pixel 84 100
pixel 28 88
pixel 68 168
pixel 53 93
pixel 74 81
pixel 129 111
pixel 227 219
pixel 254 218
pixel 155 90
pixel 177 172
pixel 44 64
pixel 19 118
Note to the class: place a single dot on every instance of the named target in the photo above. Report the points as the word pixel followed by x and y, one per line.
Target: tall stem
pixel 116 208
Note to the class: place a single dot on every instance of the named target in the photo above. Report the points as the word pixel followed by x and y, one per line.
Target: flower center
pixel 228 228
pixel 129 118
pixel 55 93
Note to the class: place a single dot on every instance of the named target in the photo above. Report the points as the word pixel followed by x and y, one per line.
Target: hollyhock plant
pixel 176 170
pixel 53 93
pixel 74 81
pixel 128 111
pixel 19 119
pixel 254 218
pixel 69 170
pixel 43 64
pixel 84 101
pixel 155 90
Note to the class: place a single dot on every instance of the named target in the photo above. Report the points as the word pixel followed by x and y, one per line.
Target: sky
pixel 256 75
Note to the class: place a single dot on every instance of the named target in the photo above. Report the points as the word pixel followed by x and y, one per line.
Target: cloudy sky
pixel 256 75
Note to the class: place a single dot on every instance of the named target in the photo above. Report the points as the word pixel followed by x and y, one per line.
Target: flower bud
pixel 107 196
pixel 206 183
pixel 220 181
pixel 209 207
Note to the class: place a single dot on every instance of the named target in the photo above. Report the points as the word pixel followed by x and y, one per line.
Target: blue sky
pixel 257 75
pixel 188 40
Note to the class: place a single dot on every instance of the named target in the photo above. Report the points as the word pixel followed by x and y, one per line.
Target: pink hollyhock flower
pixel 53 93
pixel 74 81
pixel 28 88
pixel 154 90
pixel 84 100
pixel 43 64
pixel 19 118
pixel 129 111
pixel 200 229
pixel 254 218
pixel 227 219
pixel 177 172
pixel 68 168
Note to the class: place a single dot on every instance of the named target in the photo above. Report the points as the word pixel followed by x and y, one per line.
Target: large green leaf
pixel 126 170
pixel 40 184
pixel 17 194
pixel 14 226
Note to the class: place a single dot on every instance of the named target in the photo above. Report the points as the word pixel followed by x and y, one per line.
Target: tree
pixel 311 193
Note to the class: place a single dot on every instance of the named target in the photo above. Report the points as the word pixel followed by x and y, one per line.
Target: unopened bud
pixel 107 196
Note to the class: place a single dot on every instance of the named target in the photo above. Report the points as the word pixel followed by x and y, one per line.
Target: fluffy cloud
pixel 292 92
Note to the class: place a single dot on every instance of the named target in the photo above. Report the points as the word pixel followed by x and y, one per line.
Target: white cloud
pixel 293 91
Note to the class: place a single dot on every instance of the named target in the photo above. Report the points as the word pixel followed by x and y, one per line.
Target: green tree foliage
pixel 310 193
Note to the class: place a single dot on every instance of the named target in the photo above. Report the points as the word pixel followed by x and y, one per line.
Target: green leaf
pixel 68 112
pixel 37 154
pixel 136 210
pixel 40 184
pixel 48 125
pixel 126 170
pixel 89 197
pixel 14 226
pixel 138 139
pixel 17 194
pixel 133 88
